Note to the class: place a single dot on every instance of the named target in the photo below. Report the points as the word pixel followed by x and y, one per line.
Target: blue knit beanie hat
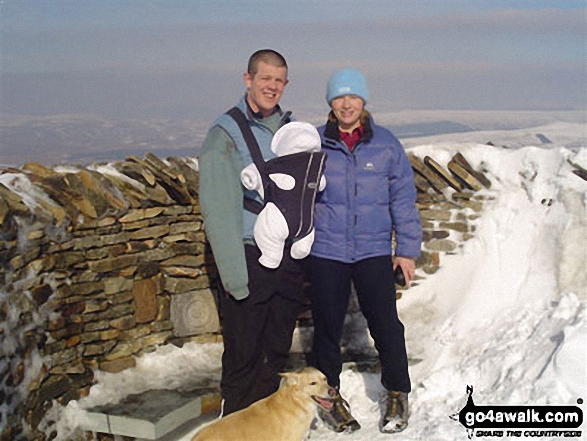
pixel 347 81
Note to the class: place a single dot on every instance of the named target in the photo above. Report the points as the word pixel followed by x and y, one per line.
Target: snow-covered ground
pixel 506 314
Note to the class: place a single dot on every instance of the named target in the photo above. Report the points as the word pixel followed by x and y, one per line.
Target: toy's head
pixel 296 137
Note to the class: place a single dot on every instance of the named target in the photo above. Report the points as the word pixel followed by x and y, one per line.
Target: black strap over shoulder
pixel 253 146
pixel 248 135
pixel 252 205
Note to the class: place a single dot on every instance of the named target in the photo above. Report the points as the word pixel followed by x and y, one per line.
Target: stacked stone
pixel 101 264
pixel 98 265
pixel 449 201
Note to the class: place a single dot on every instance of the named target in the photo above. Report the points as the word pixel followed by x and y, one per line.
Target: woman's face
pixel 347 109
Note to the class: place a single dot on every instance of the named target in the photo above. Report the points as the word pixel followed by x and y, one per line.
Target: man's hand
pixel 408 267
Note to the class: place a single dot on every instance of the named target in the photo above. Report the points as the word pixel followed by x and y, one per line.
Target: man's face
pixel 264 88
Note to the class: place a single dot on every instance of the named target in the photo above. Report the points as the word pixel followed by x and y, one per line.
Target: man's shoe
pixel 339 418
pixel 397 412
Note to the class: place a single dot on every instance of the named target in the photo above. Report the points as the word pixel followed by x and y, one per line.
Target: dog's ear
pixel 289 377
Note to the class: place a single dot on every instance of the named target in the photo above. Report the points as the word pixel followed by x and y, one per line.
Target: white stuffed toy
pixel 289 193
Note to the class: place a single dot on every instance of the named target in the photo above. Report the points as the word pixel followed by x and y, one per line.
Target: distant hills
pixel 428 129
pixel 83 140
pixel 75 139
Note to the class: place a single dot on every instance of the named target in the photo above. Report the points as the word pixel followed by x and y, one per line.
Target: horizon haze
pixel 172 67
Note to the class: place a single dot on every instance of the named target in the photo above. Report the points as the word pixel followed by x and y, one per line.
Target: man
pixel 260 305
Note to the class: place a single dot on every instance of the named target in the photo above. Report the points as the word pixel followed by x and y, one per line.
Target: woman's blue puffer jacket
pixel 369 193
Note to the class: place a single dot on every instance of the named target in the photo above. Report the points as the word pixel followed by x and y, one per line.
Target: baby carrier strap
pixel 253 146
pixel 248 135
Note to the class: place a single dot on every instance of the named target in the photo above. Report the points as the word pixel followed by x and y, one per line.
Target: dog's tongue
pixel 323 402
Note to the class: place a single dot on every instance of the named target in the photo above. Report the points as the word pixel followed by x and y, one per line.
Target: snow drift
pixel 505 314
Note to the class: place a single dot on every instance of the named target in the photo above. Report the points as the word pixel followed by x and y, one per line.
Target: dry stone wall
pixel 101 264
pixel 97 265
pixel 449 202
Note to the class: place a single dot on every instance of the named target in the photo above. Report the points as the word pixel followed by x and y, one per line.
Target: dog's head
pixel 311 383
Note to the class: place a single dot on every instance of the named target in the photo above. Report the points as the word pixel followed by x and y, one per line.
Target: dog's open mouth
pixel 324 403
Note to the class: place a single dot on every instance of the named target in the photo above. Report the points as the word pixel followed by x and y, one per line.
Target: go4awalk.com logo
pixel 520 421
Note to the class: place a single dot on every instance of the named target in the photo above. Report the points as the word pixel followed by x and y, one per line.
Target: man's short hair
pixel 268 56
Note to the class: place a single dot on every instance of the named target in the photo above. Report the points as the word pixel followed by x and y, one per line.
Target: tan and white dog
pixel 285 415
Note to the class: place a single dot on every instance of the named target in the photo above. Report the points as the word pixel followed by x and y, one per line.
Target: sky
pixel 185 59
pixel 505 313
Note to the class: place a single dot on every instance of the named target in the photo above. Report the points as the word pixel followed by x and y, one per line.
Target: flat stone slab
pixel 152 414
pixel 155 413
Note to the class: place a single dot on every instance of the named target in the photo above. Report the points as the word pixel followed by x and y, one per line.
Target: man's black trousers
pixel 257 331
pixel 330 293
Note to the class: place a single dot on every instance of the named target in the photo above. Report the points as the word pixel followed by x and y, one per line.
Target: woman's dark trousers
pixel 330 292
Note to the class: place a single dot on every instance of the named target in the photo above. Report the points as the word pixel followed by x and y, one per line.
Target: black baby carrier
pixel 296 204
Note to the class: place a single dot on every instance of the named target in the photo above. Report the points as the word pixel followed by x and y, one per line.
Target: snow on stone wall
pixel 101 264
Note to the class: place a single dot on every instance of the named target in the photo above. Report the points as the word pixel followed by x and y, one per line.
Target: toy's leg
pixel 301 248
pixel 271 230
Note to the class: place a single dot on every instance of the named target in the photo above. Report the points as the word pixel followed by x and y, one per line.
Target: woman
pixel 369 194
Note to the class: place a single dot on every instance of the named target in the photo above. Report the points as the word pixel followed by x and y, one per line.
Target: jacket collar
pixel 243 104
pixel 251 114
pixel 331 130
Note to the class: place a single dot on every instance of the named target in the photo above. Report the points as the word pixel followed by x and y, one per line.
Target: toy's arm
pixel 251 179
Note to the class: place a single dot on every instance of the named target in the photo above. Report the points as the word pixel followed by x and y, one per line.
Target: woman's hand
pixel 408 267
